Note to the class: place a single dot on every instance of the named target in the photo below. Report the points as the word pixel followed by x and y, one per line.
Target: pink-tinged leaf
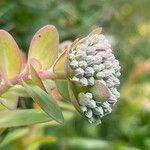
pixel 64 45
pixel 100 91
pixel 96 31
pixel 44 46
pixel 10 55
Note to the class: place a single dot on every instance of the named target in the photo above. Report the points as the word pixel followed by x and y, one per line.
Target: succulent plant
pixel 84 71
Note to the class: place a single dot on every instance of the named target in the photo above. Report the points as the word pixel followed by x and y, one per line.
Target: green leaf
pixel 14 135
pixel 62 86
pixel 22 117
pixel 36 79
pixel 74 99
pixel 9 100
pixel 19 90
pixel 10 55
pixel 46 101
pixel 59 66
pixel 44 46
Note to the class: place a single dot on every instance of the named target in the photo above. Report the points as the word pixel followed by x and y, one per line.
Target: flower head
pixel 95 72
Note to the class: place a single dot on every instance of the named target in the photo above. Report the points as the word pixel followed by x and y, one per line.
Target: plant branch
pixel 17 80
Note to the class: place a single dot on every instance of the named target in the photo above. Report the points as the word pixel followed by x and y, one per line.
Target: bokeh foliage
pixel 126 23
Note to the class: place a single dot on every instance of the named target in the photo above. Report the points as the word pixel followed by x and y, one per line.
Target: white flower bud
pixel 89 113
pixel 92 104
pixel 107 72
pixel 83 108
pixel 83 64
pixel 72 56
pixel 80 54
pixel 89 95
pixel 117 74
pixel 98 111
pixel 89 71
pixel 91 81
pixel 100 75
pixel 91 50
pixel 79 72
pixel 74 64
pixel 84 81
pixel 75 79
pixel 94 120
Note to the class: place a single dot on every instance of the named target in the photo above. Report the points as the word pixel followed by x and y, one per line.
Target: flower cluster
pixel 95 67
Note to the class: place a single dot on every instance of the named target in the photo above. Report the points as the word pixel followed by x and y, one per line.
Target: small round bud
pixel 98 111
pixel 72 56
pixel 91 50
pixel 79 72
pixel 83 64
pixel 75 79
pixel 74 64
pixel 100 75
pixel 84 81
pixel 83 108
pixel 80 54
pixel 89 71
pixel 89 113
pixel 91 81
pixel 89 95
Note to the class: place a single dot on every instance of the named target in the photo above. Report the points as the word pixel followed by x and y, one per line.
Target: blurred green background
pixel 127 25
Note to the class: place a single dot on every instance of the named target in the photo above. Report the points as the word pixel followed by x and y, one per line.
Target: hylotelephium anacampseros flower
pixel 93 73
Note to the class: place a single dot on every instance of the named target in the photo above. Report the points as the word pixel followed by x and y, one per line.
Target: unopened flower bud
pixel 98 111
pixel 84 81
pixel 91 81
pixel 75 79
pixel 89 71
pixel 79 72
pixel 83 64
pixel 80 54
pixel 89 113
pixel 74 64
pixel 100 75
pixel 95 72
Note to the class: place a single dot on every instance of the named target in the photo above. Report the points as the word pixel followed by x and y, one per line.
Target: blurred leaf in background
pixel 127 25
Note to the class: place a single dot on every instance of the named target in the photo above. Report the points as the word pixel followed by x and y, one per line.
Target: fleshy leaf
pixel 74 99
pixel 22 117
pixel 62 86
pixel 46 101
pixel 44 46
pixel 10 55
pixel 35 78
pixel 59 66
pixel 9 100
